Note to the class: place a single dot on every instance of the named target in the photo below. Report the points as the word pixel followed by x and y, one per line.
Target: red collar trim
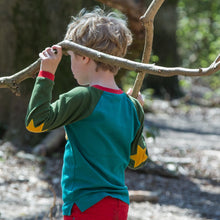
pixel 115 91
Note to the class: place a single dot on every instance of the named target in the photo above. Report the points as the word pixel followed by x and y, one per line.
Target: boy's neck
pixel 104 79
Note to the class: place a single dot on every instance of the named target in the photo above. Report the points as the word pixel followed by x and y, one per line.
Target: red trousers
pixel 107 209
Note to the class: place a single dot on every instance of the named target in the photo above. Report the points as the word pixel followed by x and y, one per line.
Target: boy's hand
pixel 50 58
pixel 139 98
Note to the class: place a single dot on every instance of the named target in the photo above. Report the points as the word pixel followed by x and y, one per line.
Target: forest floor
pixel 187 145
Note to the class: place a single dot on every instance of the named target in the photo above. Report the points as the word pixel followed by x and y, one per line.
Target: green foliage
pixel 148 98
pixel 148 94
pixel 154 59
pixel 198 35
pixel 185 84
pixel 128 80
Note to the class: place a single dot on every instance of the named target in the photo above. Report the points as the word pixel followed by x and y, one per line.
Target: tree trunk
pixel 165 47
pixel 164 43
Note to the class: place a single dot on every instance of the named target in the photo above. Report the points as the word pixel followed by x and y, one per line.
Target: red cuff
pixel 46 74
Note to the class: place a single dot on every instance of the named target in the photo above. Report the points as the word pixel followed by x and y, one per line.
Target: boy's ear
pixel 85 59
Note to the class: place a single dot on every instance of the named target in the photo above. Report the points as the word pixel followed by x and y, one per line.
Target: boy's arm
pixel 139 153
pixel 43 116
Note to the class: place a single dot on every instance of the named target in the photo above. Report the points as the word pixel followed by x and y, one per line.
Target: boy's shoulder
pixel 138 106
pixel 136 103
pixel 81 94
pixel 82 91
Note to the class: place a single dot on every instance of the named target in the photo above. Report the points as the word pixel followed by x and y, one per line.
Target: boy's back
pixel 100 145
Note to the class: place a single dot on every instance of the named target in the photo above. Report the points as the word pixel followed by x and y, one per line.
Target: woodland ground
pixel 187 145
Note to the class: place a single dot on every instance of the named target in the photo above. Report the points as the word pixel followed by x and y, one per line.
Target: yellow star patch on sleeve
pixel 139 157
pixel 31 127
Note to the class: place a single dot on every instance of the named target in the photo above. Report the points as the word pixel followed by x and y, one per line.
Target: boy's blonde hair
pixel 103 32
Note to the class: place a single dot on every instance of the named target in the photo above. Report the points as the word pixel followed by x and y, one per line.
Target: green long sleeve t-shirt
pixel 104 137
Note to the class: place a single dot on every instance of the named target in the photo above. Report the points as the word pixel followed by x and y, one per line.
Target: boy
pixel 103 124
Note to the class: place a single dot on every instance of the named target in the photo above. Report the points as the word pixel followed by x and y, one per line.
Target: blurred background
pixel 187 34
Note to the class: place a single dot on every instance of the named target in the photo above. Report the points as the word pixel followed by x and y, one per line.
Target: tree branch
pixel 148 22
pixel 12 81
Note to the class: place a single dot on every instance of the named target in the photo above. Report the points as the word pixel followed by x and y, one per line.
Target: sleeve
pixel 139 153
pixel 43 116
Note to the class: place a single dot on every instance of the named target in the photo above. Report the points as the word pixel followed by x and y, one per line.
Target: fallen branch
pixel 143 196
pixel 12 81
pixel 153 168
pixel 50 143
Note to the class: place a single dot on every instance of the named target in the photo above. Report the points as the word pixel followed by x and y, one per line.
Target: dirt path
pixel 188 145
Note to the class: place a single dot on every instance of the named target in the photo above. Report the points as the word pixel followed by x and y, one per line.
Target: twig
pixel 54 202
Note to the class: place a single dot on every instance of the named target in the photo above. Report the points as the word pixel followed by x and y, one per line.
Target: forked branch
pixel 14 80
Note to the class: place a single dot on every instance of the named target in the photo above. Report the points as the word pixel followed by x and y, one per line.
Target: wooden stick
pixel 12 81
